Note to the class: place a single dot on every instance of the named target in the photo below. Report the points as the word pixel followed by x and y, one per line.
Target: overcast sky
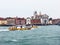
pixel 25 8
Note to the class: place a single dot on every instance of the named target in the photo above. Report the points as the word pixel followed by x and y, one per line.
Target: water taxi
pixel 22 27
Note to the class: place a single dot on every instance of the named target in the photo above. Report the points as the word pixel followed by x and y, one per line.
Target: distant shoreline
pixel 34 24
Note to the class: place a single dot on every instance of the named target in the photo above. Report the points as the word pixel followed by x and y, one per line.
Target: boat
pixel 22 27
pixel 12 28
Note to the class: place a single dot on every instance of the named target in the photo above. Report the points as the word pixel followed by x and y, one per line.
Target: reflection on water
pixel 44 35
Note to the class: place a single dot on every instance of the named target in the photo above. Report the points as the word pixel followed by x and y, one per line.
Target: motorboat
pixel 22 27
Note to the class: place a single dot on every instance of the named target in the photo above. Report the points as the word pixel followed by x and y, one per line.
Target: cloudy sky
pixel 25 8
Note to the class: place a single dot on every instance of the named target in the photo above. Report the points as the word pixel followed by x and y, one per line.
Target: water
pixel 44 35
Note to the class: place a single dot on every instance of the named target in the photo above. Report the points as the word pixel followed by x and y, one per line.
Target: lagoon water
pixel 44 35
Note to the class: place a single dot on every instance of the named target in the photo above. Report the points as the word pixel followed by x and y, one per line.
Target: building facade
pixel 28 20
pixel 10 21
pixel 43 18
pixel 3 21
pixel 20 21
pixel 56 21
pixel 35 21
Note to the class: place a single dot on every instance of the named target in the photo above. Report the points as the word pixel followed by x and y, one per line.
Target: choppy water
pixel 44 35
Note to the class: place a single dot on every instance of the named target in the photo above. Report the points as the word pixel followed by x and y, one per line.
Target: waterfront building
pixel 10 20
pixel 3 21
pixel 35 21
pixel 50 21
pixel 56 21
pixel 43 18
pixel 20 21
pixel 28 20
pixel 35 18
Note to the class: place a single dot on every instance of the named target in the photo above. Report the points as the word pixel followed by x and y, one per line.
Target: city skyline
pixel 26 8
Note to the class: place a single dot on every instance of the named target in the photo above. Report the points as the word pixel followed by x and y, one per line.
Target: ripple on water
pixel 45 35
